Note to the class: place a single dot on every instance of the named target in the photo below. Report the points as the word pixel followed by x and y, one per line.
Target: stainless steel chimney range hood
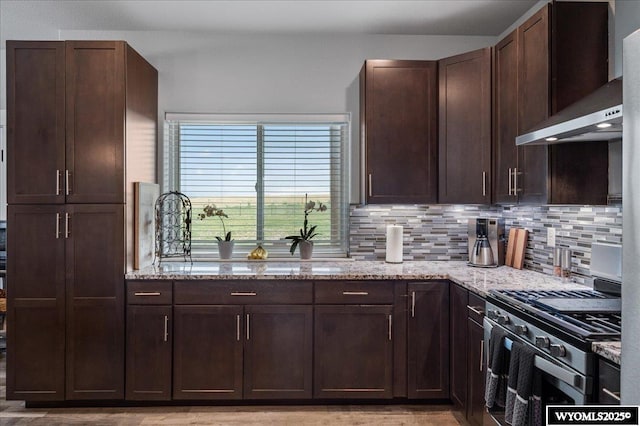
pixel 596 117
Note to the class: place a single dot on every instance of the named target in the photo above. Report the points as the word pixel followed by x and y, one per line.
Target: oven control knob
pixel 521 329
pixel 492 314
pixel 558 351
pixel 542 342
pixel 503 319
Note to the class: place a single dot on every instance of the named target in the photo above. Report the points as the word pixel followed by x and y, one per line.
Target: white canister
pixel 394 244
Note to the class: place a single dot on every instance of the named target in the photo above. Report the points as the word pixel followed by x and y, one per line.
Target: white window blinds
pixel 258 172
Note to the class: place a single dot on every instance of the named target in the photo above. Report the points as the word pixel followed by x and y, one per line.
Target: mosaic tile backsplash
pixel 439 232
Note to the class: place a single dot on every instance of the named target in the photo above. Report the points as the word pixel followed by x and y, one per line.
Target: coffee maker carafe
pixel 486 242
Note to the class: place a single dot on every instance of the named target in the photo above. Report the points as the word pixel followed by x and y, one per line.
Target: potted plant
pixel 306 233
pixel 225 246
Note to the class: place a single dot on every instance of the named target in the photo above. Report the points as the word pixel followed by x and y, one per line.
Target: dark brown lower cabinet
pixel 353 351
pixel 608 383
pixel 476 374
pixel 148 363
pixel 459 298
pixel 277 352
pixel 95 302
pixel 207 355
pixel 35 316
pixel 428 340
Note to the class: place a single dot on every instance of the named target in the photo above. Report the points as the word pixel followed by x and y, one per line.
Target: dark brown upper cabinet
pixel 546 64
pixel 67 116
pixel 465 128
pixel 398 122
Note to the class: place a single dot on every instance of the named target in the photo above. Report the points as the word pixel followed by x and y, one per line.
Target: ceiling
pixel 19 18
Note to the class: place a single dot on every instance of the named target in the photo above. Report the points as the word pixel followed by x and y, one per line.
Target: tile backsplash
pixel 439 232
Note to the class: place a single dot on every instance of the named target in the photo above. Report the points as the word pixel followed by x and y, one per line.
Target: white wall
pixel 627 13
pixel 270 74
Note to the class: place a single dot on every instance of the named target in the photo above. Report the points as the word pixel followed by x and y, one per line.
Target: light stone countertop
pixel 478 280
pixel 608 350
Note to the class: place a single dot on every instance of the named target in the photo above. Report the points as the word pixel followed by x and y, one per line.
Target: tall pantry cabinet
pixel 82 127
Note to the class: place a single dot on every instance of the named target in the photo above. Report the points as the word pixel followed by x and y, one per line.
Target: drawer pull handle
pixel 614 395
pixel 146 293
pixel 244 293
pixel 390 320
pixel 477 311
pixel 355 293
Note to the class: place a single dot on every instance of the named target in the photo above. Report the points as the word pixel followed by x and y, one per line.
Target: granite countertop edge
pixel 477 280
pixel 608 350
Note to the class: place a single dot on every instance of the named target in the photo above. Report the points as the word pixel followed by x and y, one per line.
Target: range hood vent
pixel 596 117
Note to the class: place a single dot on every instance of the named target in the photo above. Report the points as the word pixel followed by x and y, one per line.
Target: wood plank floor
pixel 15 413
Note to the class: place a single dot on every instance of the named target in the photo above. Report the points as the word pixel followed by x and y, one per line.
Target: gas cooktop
pixel 584 314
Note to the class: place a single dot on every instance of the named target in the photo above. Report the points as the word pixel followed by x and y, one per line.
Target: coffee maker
pixel 486 242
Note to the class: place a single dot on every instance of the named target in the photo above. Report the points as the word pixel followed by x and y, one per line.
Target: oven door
pixel 561 385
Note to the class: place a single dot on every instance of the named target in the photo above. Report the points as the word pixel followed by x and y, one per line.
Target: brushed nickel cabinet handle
pixel 355 293
pixel 166 328
pixel 614 395
pixel 58 176
pixel 67 230
pixel 67 185
pixel 515 182
pixel 147 293
pixel 510 188
pixel 244 293
pixel 481 353
pixel 370 189
pixel 475 310
pixel 57 226
pixel 484 184
pixel 238 328
pixel 247 326
pixel 390 320
pixel 413 304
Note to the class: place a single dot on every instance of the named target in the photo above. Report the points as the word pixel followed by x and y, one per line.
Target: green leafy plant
pixel 306 232
pixel 210 210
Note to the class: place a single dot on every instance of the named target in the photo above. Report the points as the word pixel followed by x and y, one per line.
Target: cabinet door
pixel 465 128
pixel 505 119
pixel 35 319
pixel 207 352
pixel 95 111
pixel 476 374
pixel 95 301
pixel 353 351
pixel 533 104
pixel 608 383
pixel 428 340
pixel 35 119
pixel 399 103
pixel 458 319
pixel 278 352
pixel 149 342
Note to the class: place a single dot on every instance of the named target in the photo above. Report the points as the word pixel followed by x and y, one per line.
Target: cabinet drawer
pixel 242 292
pixel 354 292
pixel 476 307
pixel 609 383
pixel 149 292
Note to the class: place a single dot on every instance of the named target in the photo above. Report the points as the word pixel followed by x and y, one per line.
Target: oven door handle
pixel 552 369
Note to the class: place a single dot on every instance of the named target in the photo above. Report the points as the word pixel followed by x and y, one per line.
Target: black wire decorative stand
pixel 173 227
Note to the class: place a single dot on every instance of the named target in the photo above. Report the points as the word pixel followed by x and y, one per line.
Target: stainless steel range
pixel 560 326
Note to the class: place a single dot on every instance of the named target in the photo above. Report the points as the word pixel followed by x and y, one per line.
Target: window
pixel 258 170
